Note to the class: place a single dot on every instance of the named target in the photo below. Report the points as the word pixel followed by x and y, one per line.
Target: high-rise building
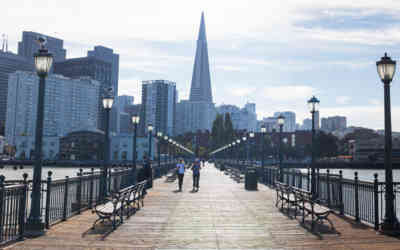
pixel 200 90
pixel 271 123
pixel 96 69
pixel 70 104
pixel 108 55
pixel 333 123
pixel 290 120
pixel 242 119
pixel 9 63
pixel 158 106
pixel 29 46
pixel 199 112
pixel 124 101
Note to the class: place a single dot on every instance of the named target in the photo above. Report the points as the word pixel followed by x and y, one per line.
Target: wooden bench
pixel 171 176
pixel 126 201
pixel 303 201
pixel 110 209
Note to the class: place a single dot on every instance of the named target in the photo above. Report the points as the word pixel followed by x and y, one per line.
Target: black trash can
pixel 250 181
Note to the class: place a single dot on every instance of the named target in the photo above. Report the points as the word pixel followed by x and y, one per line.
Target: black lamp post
pixel 238 150
pixel 166 149
pixel 43 62
pixel 170 150
pixel 313 104
pixel 150 130
pixel 386 68
pixel 159 137
pixel 281 121
pixel 246 148
pixel 251 136
pixel 263 131
pixel 107 104
pixel 135 121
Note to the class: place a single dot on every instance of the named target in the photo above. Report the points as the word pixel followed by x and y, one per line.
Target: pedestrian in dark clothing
pixel 196 174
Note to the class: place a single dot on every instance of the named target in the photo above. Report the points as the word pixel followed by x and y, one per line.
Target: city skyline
pixel 274 55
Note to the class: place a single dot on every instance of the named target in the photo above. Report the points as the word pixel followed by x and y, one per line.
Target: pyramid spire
pixel 201 84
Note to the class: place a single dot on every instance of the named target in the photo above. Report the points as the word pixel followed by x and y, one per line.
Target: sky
pixel 274 53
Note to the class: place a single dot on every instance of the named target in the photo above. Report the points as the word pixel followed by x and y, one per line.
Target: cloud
pixel 342 100
pixel 131 87
pixel 288 93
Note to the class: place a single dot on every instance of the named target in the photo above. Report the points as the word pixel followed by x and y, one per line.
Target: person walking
pixel 196 174
pixel 181 173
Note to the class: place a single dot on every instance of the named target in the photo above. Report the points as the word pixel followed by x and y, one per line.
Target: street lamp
pixel 43 62
pixel 313 105
pixel 263 131
pixel 281 121
pixel 386 68
pixel 150 129
pixel 108 101
pixel 251 136
pixel 135 121
pixel 246 145
pixel 159 136
pixel 238 151
pixel 170 150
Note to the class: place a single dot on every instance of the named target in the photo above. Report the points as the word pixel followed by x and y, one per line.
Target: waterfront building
pixel 107 55
pixel 29 46
pixel 9 63
pixel 121 147
pixel 158 106
pixel 82 145
pixel 70 104
pixel 290 120
pixel 271 124
pixel 242 118
pixel 333 123
pixel 25 146
pixel 96 69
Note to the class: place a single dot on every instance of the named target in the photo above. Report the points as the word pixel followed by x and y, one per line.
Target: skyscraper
pixel 290 120
pixel 29 46
pixel 70 105
pixel 199 111
pixel 9 63
pixel 108 55
pixel 158 106
pixel 96 69
pixel 200 90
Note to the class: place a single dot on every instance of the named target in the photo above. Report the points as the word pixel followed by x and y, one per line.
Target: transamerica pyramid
pixel 200 90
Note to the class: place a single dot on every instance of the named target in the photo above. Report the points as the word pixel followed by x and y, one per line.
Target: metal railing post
pixel 79 190
pixel 65 198
pixel 356 200
pixel 308 179
pixel 21 215
pixel 48 194
pixel 341 192
pixel 91 189
pixel 2 178
pixel 376 202
pixel 328 187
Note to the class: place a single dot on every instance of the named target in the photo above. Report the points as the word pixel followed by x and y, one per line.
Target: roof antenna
pixel 7 44
pixel 3 42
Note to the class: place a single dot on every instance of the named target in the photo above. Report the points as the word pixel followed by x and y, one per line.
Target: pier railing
pixel 60 199
pixel 362 200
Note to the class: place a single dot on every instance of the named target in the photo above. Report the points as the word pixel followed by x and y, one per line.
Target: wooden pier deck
pixel 222 215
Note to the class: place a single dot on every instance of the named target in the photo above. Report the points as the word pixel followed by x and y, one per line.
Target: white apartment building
pixel 70 105
pixel 290 120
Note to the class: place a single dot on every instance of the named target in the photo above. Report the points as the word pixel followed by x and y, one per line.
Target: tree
pixel 229 132
pixel 217 132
